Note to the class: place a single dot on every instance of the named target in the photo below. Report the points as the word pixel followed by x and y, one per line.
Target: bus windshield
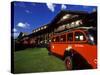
pixel 93 36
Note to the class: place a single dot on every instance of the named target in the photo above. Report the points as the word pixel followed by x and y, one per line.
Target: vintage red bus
pixel 78 47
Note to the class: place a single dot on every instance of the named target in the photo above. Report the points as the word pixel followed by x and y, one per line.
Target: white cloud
pixel 23 25
pixel 28 11
pixel 51 6
pixel 63 6
pixel 14 30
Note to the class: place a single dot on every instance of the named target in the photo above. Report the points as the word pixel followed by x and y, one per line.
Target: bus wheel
pixel 68 63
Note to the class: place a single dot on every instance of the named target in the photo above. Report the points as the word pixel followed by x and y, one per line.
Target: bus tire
pixel 68 63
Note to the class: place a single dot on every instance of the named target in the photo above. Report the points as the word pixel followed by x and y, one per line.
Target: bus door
pixel 70 40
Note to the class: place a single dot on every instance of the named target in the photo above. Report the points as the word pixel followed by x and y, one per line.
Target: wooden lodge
pixel 64 20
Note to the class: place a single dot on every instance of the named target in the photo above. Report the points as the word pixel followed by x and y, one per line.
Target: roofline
pixel 40 27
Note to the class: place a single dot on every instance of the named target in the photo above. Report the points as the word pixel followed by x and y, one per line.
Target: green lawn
pixel 36 60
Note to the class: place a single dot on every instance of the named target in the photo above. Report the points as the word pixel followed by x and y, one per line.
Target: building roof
pixel 53 23
pixel 64 12
pixel 22 34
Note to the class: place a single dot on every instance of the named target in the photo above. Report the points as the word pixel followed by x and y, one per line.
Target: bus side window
pixel 57 39
pixel 79 36
pixel 70 37
pixel 63 38
pixel 53 39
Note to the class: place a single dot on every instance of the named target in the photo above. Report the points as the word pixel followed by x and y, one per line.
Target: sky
pixel 29 15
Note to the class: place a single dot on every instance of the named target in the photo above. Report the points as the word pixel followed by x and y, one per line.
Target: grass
pixel 36 60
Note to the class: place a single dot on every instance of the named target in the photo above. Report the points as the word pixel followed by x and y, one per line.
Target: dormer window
pixel 36 30
pixel 78 22
pixel 66 16
pixel 45 27
pixel 41 28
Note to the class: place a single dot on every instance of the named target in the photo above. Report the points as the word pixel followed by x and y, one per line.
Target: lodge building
pixel 64 20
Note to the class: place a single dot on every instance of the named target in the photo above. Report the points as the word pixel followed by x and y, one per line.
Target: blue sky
pixel 30 15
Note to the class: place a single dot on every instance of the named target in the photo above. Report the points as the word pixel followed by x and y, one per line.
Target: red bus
pixel 78 47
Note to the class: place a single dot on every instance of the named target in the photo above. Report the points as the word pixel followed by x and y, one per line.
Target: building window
pixel 41 28
pixel 36 30
pixel 45 27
